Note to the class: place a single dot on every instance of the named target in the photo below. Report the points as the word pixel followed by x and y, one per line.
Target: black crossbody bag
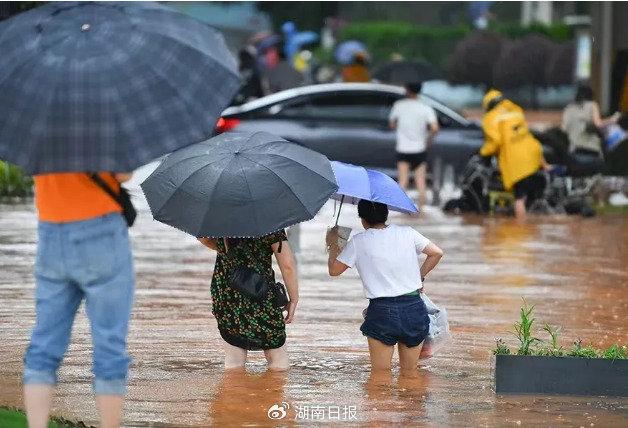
pixel 254 285
pixel 123 198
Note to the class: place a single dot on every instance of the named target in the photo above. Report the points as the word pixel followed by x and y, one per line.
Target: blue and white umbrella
pixel 356 183
pixel 346 51
pixel 108 86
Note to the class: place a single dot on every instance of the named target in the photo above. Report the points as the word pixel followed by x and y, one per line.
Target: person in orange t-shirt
pixel 356 72
pixel 83 253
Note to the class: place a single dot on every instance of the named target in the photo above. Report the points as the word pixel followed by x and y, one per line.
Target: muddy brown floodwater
pixel 574 270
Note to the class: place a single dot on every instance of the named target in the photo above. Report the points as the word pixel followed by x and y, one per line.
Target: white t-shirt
pixel 387 260
pixel 413 118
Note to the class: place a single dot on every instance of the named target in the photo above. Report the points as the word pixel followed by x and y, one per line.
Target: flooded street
pixel 574 270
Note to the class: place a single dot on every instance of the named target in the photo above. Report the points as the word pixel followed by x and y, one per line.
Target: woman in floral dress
pixel 244 323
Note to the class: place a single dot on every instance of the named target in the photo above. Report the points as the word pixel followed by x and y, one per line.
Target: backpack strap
pixel 96 178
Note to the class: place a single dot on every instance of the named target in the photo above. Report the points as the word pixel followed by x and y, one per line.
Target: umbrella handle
pixel 339 209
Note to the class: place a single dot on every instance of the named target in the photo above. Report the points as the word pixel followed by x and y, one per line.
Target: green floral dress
pixel 242 321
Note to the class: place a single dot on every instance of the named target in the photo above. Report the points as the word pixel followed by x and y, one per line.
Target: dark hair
pixel 584 93
pixel 372 212
pixel 414 87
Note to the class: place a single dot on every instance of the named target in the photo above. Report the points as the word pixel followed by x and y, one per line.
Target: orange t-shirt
pixel 73 196
pixel 355 73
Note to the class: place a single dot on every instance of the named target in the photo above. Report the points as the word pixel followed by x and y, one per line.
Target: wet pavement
pixel 572 269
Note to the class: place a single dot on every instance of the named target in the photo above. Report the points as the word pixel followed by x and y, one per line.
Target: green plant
pixel 616 352
pixel 501 348
pixel 554 349
pixel 14 418
pixel 414 42
pixel 523 329
pixel 13 181
pixel 434 43
pixel 582 351
pixel 523 332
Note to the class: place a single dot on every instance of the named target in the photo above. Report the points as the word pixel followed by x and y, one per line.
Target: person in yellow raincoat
pixel 519 154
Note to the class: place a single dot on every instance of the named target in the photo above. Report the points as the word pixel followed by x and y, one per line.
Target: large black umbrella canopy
pixel 402 72
pixel 108 86
pixel 239 185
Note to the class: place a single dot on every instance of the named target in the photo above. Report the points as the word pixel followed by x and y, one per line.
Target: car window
pixel 348 106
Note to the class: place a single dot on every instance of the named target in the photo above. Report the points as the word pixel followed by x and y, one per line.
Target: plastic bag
pixel 343 235
pixel 439 328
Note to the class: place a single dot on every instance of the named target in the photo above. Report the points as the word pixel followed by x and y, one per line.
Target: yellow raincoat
pixel 506 135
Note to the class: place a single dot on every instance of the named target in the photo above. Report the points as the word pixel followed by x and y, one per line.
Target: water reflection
pixel 508 242
pixel 244 399
pixel 387 394
pixel 572 269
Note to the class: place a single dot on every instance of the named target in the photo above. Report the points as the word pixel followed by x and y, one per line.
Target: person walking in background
pixel 281 77
pixel 246 324
pixel 583 123
pixel 357 71
pixel 519 154
pixel 83 253
pixel 416 125
pixel 251 87
pixel 387 259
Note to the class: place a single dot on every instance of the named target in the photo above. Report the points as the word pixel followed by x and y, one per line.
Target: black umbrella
pixel 402 72
pixel 108 86
pixel 239 185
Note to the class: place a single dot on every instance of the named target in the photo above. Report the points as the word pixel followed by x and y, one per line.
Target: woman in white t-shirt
pixel 387 259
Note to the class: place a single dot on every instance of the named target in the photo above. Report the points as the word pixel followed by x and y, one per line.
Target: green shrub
pixel 13 181
pixel 616 352
pixel 523 332
pixel 501 348
pixel 583 351
pixel 558 32
pixel 15 418
pixel 434 44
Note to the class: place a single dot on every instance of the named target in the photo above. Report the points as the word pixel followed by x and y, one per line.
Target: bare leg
pixel 426 349
pixel 378 386
pixel 520 209
pixel 235 357
pixel 381 355
pixel 110 410
pixel 277 358
pixel 408 359
pixel 419 179
pixel 37 400
pixel 403 171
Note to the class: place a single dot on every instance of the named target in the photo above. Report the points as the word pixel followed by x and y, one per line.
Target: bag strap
pixel 96 178
pixel 280 245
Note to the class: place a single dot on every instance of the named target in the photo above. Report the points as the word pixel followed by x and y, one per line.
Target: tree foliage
pixel 474 58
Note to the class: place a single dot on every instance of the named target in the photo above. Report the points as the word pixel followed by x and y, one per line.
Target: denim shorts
pixel 84 260
pixel 397 319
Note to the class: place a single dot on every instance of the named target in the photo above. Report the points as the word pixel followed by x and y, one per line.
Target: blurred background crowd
pixel 536 53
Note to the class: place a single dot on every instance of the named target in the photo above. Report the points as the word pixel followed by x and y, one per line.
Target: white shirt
pixel 387 260
pixel 413 118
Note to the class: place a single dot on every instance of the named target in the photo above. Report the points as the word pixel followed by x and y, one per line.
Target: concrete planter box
pixel 516 374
